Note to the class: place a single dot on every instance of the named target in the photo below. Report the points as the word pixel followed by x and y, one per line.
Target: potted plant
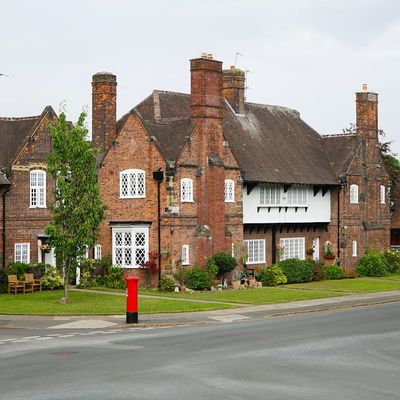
pixel 45 247
pixel 328 253
pixel 310 251
pixel 280 249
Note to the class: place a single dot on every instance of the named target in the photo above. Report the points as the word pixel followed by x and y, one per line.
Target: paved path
pixel 242 313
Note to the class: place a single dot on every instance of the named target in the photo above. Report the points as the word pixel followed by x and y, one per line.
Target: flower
pixel 45 247
pixel 280 249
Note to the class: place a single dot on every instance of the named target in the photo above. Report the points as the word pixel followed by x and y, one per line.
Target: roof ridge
pixel 20 118
pixel 170 92
pixel 327 135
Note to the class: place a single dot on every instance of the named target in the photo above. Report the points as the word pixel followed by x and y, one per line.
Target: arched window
pixel 37 198
pixel 229 191
pixel 186 190
pixel 353 194
pixel 132 184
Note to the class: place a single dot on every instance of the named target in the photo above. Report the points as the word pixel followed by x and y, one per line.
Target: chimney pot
pixel 365 87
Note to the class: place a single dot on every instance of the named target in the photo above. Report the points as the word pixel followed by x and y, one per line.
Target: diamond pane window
pixel 186 190
pixel 37 189
pixel 229 191
pixel 130 246
pixel 185 254
pixel 132 184
pixel 255 251
pixel 353 194
pixel 383 194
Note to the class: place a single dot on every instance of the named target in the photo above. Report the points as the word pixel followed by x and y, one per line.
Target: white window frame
pixel 229 189
pixel 383 194
pixel 132 230
pixel 275 196
pixel 185 255
pixel 353 194
pixel 37 193
pixel 186 190
pixel 19 252
pixel 354 248
pixel 260 249
pixel 97 252
pixel 133 189
pixel 293 247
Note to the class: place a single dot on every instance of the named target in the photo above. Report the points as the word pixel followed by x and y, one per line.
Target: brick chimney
pixel 367 113
pixel 206 108
pixel 104 109
pixel 233 85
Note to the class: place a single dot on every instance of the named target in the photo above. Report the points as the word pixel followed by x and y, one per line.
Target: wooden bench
pixel 16 286
pixel 34 283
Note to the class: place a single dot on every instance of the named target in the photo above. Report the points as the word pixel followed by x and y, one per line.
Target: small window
pixel 186 190
pixel 383 194
pixel 132 184
pixel 37 189
pixel 354 248
pixel 255 251
pixel 229 191
pixel 185 254
pixel 22 252
pixel 97 252
pixel 293 248
pixel 354 194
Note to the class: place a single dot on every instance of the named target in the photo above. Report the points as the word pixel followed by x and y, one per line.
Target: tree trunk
pixel 64 299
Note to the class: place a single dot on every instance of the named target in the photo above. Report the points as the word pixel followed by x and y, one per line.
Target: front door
pixel 316 248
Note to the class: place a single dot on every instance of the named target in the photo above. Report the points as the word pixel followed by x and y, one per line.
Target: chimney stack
pixel 233 86
pixel 104 110
pixel 367 113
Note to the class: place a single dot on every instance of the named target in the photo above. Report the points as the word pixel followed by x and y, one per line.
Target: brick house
pixel 187 175
pixel 25 187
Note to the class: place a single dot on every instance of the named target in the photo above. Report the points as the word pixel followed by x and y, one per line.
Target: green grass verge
pixel 357 285
pixel 249 296
pixel 82 303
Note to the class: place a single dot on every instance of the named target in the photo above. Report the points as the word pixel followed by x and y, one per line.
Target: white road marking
pixel 229 318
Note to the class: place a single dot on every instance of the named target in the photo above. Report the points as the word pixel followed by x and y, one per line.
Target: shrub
pixel 372 263
pixel 17 268
pixel 392 258
pixel 167 284
pixel 182 276
pixel 199 279
pixel 272 276
pixel 37 269
pixel 3 281
pixel 298 271
pixel 224 262
pixel 333 272
pixel 115 277
pixel 52 278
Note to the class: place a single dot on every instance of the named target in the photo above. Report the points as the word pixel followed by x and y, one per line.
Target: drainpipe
pixel 7 189
pixel 273 244
pixel 342 181
pixel 158 176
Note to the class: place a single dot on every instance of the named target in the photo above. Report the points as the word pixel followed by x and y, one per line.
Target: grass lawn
pixel 357 285
pixel 250 296
pixel 82 303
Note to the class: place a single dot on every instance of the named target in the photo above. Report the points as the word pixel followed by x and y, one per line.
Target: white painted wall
pixel 319 209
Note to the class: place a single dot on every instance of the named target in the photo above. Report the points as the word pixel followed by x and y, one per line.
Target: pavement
pixel 242 313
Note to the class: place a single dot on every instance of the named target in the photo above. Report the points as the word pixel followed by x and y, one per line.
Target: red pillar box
pixel 132 283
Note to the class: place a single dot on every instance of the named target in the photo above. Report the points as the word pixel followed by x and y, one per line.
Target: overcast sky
pixel 311 55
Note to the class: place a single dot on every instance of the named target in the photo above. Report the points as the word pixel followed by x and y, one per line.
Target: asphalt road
pixel 351 354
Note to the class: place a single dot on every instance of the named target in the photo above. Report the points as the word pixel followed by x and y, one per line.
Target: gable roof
pixel 341 150
pixel 254 138
pixel 14 132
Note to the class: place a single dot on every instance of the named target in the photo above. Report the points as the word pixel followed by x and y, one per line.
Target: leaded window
pixel 37 189
pixel 255 251
pixel 293 248
pixel 132 184
pixel 185 254
pixel 275 195
pixel 353 194
pixel 186 190
pixel 229 191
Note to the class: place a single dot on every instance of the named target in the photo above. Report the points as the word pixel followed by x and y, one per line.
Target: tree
pixel 224 262
pixel 78 208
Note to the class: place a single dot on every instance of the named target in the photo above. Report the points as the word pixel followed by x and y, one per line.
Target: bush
pixel 114 278
pixel 199 279
pixel 3 281
pixel 372 263
pixel 333 272
pixel 224 262
pixel 182 276
pixel 37 269
pixel 298 271
pixel 272 276
pixel 392 258
pixel 17 268
pixel 167 284
pixel 52 278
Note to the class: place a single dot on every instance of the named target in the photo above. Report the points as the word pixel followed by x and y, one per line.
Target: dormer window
pixel 186 190
pixel 132 184
pixel 229 191
pixel 37 197
pixel 354 194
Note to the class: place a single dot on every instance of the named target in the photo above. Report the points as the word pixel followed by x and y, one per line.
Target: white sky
pixel 311 55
